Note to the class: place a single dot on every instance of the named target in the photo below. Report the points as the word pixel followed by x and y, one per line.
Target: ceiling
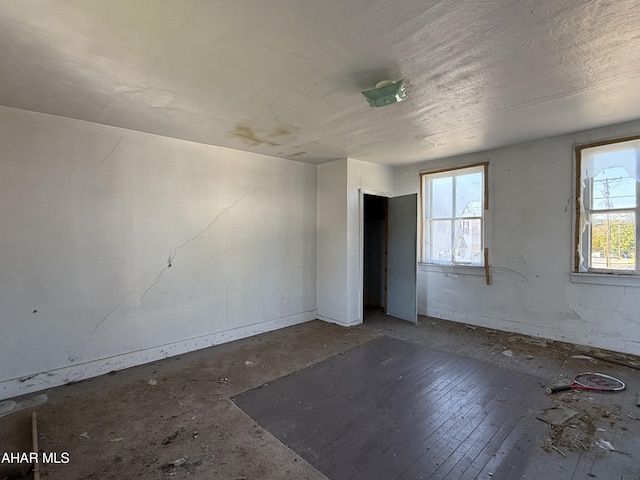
pixel 283 77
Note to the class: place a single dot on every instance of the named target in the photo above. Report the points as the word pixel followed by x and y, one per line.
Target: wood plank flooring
pixel 391 409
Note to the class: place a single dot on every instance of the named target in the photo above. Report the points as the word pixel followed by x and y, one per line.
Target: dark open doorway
pixel 375 255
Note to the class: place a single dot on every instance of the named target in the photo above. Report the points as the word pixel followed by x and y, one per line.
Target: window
pixel 453 206
pixel 608 206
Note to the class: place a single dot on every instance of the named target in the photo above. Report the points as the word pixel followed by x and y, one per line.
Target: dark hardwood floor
pixel 394 409
pixel 384 400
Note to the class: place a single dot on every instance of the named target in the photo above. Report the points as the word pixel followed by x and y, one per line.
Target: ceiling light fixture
pixel 386 93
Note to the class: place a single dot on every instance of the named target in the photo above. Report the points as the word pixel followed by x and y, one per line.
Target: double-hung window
pixel 453 208
pixel 608 207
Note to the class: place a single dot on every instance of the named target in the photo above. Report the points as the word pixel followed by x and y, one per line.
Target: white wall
pixel 340 282
pixel 92 216
pixel 362 177
pixel 530 236
pixel 332 241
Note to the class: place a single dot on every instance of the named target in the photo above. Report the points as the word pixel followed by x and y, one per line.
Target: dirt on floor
pixel 604 422
pixel 593 418
pixel 176 418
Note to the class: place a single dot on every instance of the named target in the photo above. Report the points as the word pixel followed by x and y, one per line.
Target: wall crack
pixel 186 242
pixel 175 250
pixel 576 313
pixel 628 319
pixel 520 255
pixel 512 270
pixel 103 320
pixel 111 151
pixel 156 281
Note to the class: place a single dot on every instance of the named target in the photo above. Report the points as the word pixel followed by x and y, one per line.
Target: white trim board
pixel 352 323
pixel 74 373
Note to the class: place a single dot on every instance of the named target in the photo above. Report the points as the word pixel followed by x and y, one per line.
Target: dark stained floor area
pixel 175 418
pixel 578 448
pixel 391 409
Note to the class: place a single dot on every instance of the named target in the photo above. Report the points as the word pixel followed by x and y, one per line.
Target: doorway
pixel 375 255
pixel 389 256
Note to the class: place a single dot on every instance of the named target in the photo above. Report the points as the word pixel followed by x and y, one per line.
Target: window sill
pixel 606 279
pixel 452 269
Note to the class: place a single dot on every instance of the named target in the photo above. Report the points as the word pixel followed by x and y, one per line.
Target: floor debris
pixel 171 438
pixel 508 353
pixel 241 452
pixel 9 406
pixel 584 357
pixel 556 415
pixel 176 463
pixel 608 446
pixel 604 445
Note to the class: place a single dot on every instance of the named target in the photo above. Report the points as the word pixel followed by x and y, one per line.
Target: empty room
pixel 339 240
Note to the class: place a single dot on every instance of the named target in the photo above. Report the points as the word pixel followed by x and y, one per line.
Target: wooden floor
pixel 392 409
pixel 384 400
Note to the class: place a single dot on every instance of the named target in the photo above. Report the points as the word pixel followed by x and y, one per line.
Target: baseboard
pixel 339 322
pixel 547 332
pixel 74 373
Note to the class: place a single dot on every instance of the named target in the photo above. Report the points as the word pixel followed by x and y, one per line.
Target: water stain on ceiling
pixel 480 75
pixel 248 135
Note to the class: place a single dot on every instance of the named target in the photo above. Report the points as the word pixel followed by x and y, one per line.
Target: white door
pixel 402 298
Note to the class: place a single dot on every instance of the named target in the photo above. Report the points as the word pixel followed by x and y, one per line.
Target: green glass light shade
pixel 386 93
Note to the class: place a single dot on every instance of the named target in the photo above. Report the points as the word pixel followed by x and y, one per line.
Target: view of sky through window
pixel 610 199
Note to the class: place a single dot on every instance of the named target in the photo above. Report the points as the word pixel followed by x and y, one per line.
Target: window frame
pixel 584 251
pixel 423 223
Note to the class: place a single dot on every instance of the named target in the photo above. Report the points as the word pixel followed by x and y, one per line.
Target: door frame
pixel 361 193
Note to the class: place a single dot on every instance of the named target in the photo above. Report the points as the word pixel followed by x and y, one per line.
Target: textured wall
pixel 340 243
pixel 122 247
pixel 530 237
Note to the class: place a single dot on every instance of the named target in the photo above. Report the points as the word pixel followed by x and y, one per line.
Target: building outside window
pixel 453 206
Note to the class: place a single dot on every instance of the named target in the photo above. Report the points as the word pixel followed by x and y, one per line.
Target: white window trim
pixel 606 279
pixel 599 276
pixel 454 268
